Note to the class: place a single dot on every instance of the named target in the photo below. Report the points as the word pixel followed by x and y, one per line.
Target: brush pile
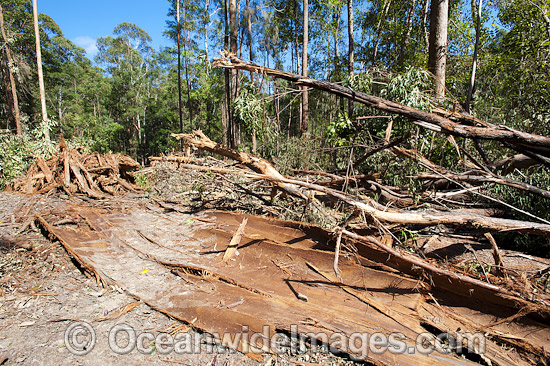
pixel 76 171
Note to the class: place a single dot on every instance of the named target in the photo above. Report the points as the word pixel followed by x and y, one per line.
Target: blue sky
pixel 83 21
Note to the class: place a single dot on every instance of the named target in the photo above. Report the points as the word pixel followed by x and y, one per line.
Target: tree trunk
pixel 474 62
pixel 425 26
pixel 337 17
pixel 407 35
pixel 178 30
pixel 251 55
pixel 11 86
pixel 249 24
pixel 40 75
pixel 351 54
pixel 305 101
pixel 227 101
pixel 206 18
pixel 439 18
pixel 385 8
pixel 535 146
pixel 60 110
pixel 233 44
pixel 186 58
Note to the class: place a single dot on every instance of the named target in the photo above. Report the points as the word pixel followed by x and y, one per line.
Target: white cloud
pixel 88 43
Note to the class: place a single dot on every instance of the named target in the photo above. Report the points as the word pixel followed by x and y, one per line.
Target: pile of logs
pixel 75 171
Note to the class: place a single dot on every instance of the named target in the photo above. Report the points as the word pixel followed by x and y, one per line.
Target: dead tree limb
pixel 518 140
pixel 480 179
pixel 421 218
pixel 496 255
pixel 259 165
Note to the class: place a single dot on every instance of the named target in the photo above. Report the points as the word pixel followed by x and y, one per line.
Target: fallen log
pixel 268 172
pixel 422 218
pixel 518 161
pixel 480 179
pixel 518 140
pixel 492 178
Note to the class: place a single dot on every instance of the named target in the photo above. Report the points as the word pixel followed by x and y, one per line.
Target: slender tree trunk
pixel 305 101
pixel 206 18
pixel 249 25
pixel 239 35
pixel 276 105
pixel 385 8
pixel 407 35
pixel 351 54
pixel 178 30
pixel 12 86
pixel 234 30
pixel 227 102
pixel 425 26
pixel 439 18
pixel 251 55
pixel 40 75
pixel 186 58
pixel 296 37
pixel 297 57
pixel 336 34
pixel 474 62
pixel 60 111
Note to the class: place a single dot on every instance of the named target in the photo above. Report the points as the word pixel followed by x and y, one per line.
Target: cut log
pixel 44 167
pixel 73 171
pixel 81 181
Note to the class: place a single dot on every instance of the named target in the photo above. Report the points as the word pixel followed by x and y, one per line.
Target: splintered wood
pixel 235 241
pixel 77 171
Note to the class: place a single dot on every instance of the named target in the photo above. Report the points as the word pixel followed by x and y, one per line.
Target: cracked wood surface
pixel 259 286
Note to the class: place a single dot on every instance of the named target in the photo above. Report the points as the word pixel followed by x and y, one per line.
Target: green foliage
pixel 18 153
pixel 340 130
pixel 411 88
pixel 250 109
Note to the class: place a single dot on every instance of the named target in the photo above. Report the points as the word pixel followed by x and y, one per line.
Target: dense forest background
pixel 126 99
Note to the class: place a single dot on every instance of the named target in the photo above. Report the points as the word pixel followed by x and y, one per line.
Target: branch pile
pixel 76 171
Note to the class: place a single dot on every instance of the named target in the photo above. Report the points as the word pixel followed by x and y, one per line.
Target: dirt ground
pixel 44 293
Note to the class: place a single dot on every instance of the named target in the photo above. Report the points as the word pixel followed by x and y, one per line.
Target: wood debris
pixel 235 241
pixel 77 171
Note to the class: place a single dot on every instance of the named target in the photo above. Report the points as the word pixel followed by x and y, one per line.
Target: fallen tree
pixel 259 165
pixel 369 206
pixel 532 145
